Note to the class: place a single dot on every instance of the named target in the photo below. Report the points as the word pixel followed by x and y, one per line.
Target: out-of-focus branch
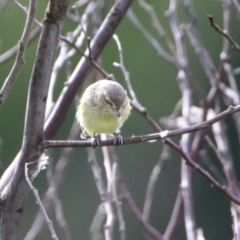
pixel 109 157
pixel 33 34
pixel 2 4
pixel 152 182
pixel 156 45
pixel 187 101
pixel 212 74
pixel 118 202
pixel 19 61
pixel 153 233
pixel 104 193
pixel 226 27
pixel 236 4
pixel 175 217
pixel 157 25
pixel 12 51
pixel 203 54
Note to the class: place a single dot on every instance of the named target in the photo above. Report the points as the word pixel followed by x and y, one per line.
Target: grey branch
pixel 19 61
pixel 148 137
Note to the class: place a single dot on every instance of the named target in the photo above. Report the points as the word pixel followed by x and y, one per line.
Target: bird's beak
pixel 118 112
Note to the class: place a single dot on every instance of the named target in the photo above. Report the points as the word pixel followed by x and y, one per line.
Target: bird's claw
pixel 95 142
pixel 118 140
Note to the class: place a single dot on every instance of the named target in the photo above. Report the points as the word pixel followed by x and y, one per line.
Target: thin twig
pixel 175 218
pixel 118 203
pixel 152 183
pixel 19 61
pixel 62 222
pixel 13 51
pixel 104 195
pixel 223 33
pixel 157 25
pixel 123 69
pixel 39 202
pixel 151 231
pixel 156 45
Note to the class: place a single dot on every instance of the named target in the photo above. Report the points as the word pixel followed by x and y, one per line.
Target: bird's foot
pixel 95 141
pixel 118 140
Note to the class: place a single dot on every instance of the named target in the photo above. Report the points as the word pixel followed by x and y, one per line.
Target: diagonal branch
pixel 223 33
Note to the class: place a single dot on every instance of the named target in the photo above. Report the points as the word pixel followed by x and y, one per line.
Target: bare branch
pixel 223 33
pixel 13 51
pixel 156 45
pixel 19 61
pixel 118 203
pixel 39 202
pixel 175 217
pixel 124 70
pixel 152 182
pixel 104 194
pixel 153 233
pixel 157 25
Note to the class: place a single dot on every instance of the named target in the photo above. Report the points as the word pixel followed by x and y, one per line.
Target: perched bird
pixel 103 108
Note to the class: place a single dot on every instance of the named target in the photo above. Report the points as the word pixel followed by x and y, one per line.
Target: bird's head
pixel 113 98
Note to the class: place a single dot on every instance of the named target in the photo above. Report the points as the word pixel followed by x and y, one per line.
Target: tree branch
pixel 223 33
pixel 144 138
pixel 19 61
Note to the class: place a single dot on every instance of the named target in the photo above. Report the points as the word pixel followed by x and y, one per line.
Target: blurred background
pixel 154 81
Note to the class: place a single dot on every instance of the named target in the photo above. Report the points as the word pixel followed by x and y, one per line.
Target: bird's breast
pixel 94 120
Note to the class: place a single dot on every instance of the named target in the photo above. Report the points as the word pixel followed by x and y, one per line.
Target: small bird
pixel 103 108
